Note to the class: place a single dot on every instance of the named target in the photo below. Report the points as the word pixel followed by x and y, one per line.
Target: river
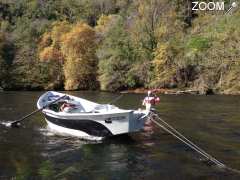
pixel 34 152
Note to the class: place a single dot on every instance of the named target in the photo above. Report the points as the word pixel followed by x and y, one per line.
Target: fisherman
pixel 67 107
pixel 150 100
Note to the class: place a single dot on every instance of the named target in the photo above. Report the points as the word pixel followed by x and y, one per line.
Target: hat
pixel 149 93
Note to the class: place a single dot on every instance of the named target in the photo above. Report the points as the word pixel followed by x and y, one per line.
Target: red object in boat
pixel 151 100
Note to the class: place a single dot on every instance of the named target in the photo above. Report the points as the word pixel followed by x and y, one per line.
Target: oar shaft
pixel 28 115
pixel 25 117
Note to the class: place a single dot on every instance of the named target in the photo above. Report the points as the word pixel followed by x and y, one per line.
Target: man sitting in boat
pixel 67 107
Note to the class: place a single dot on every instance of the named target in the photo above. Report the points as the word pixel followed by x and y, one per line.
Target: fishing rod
pixel 116 99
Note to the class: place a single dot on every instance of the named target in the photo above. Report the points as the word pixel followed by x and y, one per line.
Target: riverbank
pixel 162 91
pixel 181 91
pixel 174 91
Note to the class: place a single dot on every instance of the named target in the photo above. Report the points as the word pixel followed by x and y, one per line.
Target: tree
pixel 144 25
pixel 50 53
pixel 105 23
pixel 79 49
pixel 6 59
pixel 69 51
pixel 117 58
pixel 3 71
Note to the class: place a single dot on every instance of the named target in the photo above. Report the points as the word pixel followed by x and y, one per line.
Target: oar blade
pixel 7 124
pixel 17 122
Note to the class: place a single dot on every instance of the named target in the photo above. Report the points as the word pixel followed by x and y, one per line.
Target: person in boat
pixel 150 99
pixel 67 107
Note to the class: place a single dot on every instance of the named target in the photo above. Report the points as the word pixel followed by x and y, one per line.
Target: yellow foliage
pixel 73 48
pixel 105 22
pixel 161 55
pixel 162 31
pixel 46 41
pixel 78 47
pixel 141 9
pixel 59 29
pixel 49 46
pixel 50 54
pixel 148 6
pixel 71 72
pixel 162 59
pixel 79 41
pixel 49 51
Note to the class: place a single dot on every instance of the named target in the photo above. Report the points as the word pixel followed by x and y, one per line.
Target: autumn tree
pixel 79 49
pixel 50 53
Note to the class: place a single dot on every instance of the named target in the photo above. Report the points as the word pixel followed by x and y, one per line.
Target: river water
pixel 34 152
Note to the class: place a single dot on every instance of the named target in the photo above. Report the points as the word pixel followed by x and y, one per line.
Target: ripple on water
pixel 55 145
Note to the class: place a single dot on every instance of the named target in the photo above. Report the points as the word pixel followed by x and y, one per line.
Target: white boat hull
pixel 107 121
pixel 71 132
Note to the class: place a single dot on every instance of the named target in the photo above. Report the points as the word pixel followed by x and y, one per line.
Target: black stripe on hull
pixel 90 127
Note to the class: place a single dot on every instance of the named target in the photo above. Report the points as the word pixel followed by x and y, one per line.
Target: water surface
pixel 33 152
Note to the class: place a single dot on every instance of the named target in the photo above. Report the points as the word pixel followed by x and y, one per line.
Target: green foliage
pixel 212 48
pixel 6 58
pixel 198 43
pixel 46 170
pixel 3 71
pixel 144 29
pixel 26 72
pixel 123 44
pixel 117 57
pixel 28 22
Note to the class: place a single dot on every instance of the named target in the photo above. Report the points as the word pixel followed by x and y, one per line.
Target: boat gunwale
pixel 77 114
pixel 75 98
pixel 84 114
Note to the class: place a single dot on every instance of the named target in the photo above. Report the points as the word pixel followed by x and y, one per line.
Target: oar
pixel 16 123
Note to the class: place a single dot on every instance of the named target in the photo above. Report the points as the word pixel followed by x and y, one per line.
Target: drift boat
pixel 89 120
